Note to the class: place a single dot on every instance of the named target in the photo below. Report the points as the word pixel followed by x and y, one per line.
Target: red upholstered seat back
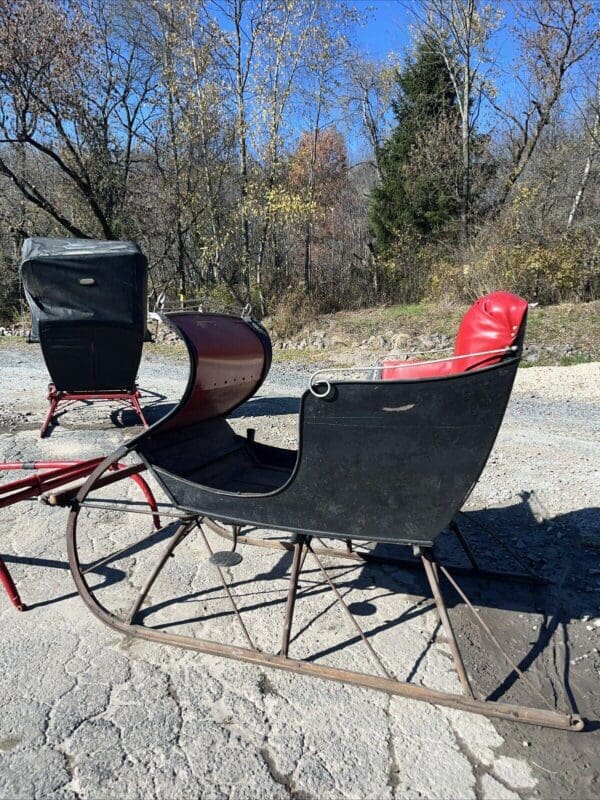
pixel 493 322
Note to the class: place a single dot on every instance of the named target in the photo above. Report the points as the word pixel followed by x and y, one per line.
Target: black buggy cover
pixel 88 310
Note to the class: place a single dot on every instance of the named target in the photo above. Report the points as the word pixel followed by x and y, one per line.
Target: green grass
pixel 569 361
pixel 413 319
pixel 399 312
pixel 562 361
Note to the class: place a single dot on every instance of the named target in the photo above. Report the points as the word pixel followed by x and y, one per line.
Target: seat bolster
pixel 492 322
pixel 397 370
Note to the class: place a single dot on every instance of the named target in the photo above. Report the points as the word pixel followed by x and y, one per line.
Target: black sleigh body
pixel 88 306
pixel 381 461
pixel 88 312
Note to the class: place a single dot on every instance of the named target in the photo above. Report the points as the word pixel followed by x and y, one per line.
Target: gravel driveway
pixel 86 713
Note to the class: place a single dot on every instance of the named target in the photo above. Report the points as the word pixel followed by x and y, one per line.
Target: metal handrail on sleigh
pixel 343 370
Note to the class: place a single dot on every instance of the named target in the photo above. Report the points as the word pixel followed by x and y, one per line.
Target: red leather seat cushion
pixel 395 369
pixel 493 322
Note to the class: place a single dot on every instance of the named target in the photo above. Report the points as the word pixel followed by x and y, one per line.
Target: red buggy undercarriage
pixel 51 475
pixel 56 397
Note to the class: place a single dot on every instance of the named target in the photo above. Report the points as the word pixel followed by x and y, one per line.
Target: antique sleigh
pixel 388 460
pixel 88 310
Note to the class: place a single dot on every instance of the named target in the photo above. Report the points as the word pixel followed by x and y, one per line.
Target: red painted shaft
pixel 59 473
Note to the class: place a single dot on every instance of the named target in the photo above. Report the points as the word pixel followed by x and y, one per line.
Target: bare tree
pixel 592 154
pixel 289 30
pixel 42 51
pixel 322 91
pixel 268 50
pixel 180 46
pixel 68 82
pixel 370 85
pixel 555 35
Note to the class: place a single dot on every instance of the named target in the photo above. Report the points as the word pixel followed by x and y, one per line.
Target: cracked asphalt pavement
pixel 87 713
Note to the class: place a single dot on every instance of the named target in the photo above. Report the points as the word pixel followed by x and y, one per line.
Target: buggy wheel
pixel 87 543
pixel 78 569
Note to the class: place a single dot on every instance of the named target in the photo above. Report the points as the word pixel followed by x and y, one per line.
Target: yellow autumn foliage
pixel 280 202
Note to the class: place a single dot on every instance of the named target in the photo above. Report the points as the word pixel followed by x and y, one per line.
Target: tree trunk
pixel 592 153
pixel 466 156
pixel 308 258
pixel 258 271
pixel 243 154
pixel 181 276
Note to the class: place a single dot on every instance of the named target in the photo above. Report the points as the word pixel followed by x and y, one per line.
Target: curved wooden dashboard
pixel 229 359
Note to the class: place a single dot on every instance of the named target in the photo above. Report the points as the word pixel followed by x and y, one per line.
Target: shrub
pixel 564 269
pixel 292 312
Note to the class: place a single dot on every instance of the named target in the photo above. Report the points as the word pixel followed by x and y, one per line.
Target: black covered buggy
pixel 88 311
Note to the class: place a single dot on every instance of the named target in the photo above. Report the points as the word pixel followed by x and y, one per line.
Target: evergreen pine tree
pixel 422 203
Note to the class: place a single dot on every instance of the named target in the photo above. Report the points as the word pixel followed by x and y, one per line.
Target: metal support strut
pixel 430 568
pixel 10 588
pixel 299 547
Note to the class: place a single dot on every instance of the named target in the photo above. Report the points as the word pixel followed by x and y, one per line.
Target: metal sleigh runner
pixel 387 460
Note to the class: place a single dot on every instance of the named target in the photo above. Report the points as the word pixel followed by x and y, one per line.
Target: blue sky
pixel 387 29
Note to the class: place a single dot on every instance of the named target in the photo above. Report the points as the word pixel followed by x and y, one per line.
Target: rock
pixel 433 341
pixel 400 341
pixel 377 341
pixel 427 342
pixel 515 773
pixel 531 354
pixel 494 790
